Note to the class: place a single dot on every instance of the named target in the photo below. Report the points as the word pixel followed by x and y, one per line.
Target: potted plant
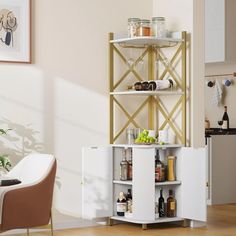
pixel 5 163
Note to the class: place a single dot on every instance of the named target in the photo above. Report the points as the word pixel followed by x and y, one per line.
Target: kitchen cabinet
pixel 221 169
pixel 220 32
pixel 101 183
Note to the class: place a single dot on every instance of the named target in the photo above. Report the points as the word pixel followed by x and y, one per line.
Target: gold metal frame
pixel 153 103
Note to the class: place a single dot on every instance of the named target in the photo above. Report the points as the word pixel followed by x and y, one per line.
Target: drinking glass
pixel 220 123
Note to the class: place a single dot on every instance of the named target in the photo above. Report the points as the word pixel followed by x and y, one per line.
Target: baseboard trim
pixel 79 223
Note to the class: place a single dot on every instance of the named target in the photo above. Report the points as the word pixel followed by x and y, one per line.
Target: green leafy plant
pixel 5 163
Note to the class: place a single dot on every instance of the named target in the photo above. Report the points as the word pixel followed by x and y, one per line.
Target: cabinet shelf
pixel 147 41
pixel 147 146
pixel 166 183
pixel 158 220
pixel 122 182
pixel 147 93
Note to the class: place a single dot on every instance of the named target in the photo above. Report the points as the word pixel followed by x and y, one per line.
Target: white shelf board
pixel 147 146
pixel 122 182
pixel 158 220
pixel 147 93
pixel 148 40
pixel 166 183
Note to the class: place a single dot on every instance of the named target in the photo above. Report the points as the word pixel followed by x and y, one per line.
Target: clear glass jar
pixel 144 28
pixel 130 136
pixel 158 27
pixel 133 24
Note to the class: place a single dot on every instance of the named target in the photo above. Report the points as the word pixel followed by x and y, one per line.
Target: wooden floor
pixel 221 222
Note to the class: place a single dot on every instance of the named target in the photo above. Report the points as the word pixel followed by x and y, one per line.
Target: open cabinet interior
pixel 188 187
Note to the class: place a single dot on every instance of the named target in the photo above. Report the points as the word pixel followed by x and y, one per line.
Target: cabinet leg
pixel 186 223
pixel 109 222
pixel 144 226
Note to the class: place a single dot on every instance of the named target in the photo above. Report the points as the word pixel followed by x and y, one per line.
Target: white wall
pixel 188 15
pixel 60 102
pixel 213 112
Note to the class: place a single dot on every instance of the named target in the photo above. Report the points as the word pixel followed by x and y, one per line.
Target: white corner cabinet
pixel 101 184
pixel 220 31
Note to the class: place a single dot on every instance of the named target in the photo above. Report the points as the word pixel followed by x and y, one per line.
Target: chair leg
pixel 51 224
pixel 27 232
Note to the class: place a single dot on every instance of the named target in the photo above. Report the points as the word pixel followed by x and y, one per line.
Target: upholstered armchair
pixel 28 204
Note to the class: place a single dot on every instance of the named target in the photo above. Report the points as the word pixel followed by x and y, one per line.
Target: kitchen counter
pixel 217 131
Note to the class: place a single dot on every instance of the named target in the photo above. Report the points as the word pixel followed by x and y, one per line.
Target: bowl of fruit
pixel 144 138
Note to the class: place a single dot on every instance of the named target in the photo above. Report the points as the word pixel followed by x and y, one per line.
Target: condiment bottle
pixel 171 168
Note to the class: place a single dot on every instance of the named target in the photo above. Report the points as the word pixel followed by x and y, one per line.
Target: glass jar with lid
pixel 144 28
pixel 158 27
pixel 133 24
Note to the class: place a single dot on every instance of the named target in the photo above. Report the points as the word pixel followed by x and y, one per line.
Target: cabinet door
pixel 214 31
pixel 193 187
pixel 144 184
pixel 96 182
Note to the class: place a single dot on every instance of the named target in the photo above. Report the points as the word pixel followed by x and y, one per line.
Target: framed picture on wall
pixel 15 31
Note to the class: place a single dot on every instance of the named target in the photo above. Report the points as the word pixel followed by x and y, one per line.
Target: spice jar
pixel 158 27
pixel 133 24
pixel 144 28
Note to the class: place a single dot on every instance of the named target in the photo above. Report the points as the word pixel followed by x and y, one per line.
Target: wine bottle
pixel 121 204
pixel 161 205
pixel 124 167
pixel 225 119
pixel 159 168
pixel 129 194
pixel 129 201
pixel 171 205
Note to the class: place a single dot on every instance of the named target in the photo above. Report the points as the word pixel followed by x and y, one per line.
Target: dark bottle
pixel 129 194
pixel 129 201
pixel 159 168
pixel 121 204
pixel 152 86
pixel 225 119
pixel 161 205
pixel 138 86
pixel 171 205
pixel 145 86
pixel 130 165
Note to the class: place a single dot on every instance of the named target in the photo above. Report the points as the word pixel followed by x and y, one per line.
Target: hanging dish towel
pixel 217 94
